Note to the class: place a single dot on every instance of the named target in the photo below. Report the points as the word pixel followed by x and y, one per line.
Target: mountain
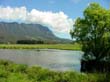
pixel 12 32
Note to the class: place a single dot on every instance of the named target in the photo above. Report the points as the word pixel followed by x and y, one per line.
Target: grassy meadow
pixel 41 46
pixel 11 72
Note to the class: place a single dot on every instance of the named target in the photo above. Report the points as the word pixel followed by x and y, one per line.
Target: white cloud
pixel 59 22
pixel 9 13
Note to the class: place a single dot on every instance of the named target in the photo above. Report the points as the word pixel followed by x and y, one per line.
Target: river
pixel 59 60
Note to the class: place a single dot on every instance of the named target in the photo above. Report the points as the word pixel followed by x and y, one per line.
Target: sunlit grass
pixel 42 46
pixel 11 72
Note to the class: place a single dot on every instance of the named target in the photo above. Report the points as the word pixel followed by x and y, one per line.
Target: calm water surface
pixel 61 60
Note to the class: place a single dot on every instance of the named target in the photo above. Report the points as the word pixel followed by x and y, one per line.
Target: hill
pixel 12 32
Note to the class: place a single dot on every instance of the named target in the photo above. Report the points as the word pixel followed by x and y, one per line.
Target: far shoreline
pixel 76 47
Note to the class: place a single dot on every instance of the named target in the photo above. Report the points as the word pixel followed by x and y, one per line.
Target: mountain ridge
pixel 13 31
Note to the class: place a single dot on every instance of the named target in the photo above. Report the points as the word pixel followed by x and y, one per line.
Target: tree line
pixel 30 42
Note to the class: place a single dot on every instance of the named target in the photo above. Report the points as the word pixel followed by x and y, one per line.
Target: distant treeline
pixel 30 42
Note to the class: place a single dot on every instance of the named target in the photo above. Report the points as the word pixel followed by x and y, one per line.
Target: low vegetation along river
pixel 61 60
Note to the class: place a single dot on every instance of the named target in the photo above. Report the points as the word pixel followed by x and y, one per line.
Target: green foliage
pixel 22 73
pixel 93 31
pixel 30 42
pixel 17 68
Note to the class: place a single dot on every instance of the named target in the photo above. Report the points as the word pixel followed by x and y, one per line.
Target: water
pixel 60 60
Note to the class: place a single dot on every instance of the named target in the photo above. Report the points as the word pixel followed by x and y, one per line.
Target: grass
pixel 11 72
pixel 42 46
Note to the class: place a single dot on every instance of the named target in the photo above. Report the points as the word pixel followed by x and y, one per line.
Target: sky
pixel 57 15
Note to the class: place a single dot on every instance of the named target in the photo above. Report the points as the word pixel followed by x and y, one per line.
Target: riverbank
pixel 42 46
pixel 11 72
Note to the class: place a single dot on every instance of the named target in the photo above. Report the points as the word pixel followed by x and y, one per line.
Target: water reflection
pixel 49 58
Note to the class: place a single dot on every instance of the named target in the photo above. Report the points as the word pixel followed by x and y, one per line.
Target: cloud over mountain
pixel 59 21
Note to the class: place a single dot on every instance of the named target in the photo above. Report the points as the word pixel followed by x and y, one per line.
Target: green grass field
pixel 42 46
pixel 11 72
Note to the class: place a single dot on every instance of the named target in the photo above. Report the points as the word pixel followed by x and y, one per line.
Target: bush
pixel 10 72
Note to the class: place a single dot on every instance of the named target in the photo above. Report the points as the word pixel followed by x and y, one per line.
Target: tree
pixel 93 31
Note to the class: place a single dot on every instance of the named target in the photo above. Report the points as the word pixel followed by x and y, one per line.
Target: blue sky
pixel 71 8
